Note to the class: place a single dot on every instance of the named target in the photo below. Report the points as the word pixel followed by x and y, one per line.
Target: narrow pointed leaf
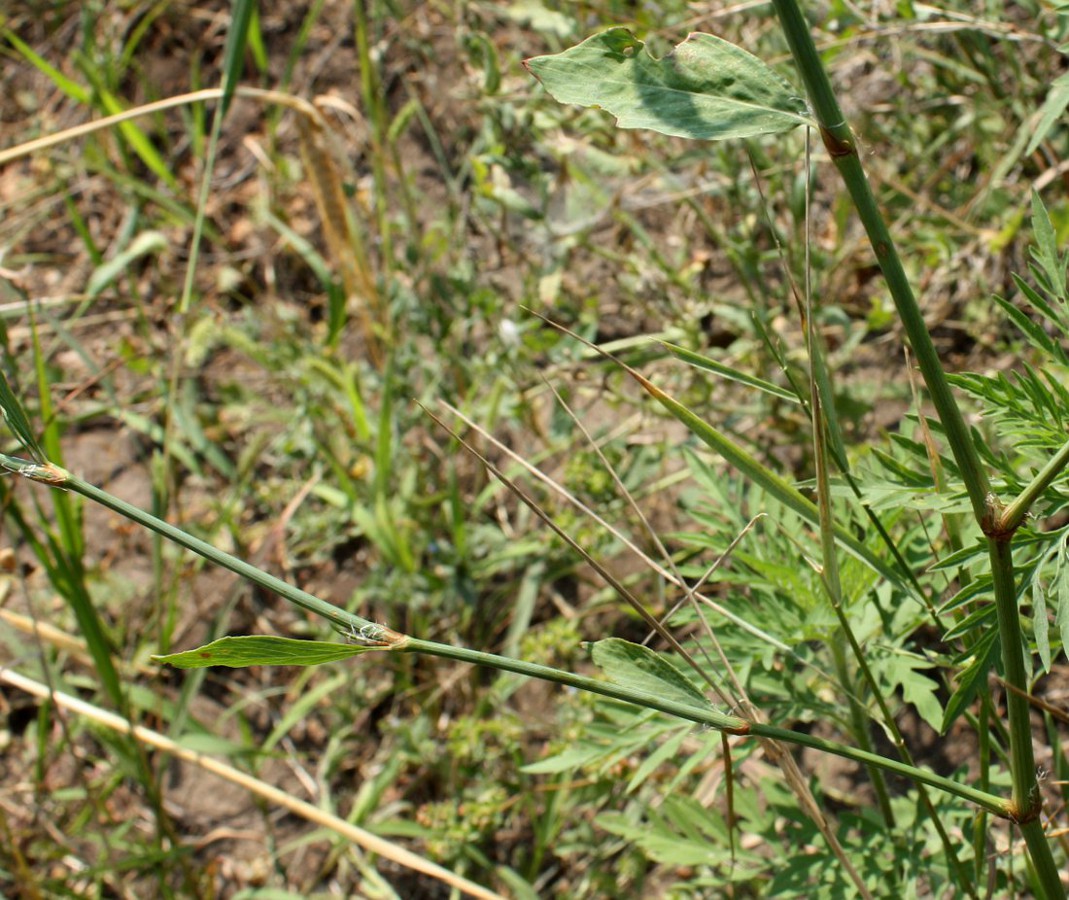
pixel 971 679
pixel 17 420
pixel 237 37
pixel 1052 111
pixel 711 365
pixel 1062 613
pixel 68 86
pixel 705 89
pixel 1046 250
pixel 261 650
pixel 1040 625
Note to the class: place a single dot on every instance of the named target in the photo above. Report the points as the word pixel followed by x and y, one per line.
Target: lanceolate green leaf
pixel 1052 264
pixel 638 667
pixel 1062 611
pixel 705 89
pixel 1040 625
pixel 16 419
pixel 972 678
pixel 1053 110
pixel 261 650
pixel 711 365
pixel 768 480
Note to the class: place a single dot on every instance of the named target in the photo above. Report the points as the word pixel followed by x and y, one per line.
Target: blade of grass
pixel 68 86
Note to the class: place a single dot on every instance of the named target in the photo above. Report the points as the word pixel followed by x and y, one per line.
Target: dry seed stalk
pixel 343 242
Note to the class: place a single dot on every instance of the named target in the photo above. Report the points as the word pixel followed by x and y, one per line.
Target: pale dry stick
pixel 358 836
pixel 958 21
pixel 20 333
pixel 61 640
pixel 1050 175
pixel 78 131
pixel 16 309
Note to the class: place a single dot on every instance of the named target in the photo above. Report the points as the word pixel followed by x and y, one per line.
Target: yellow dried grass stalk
pixel 344 242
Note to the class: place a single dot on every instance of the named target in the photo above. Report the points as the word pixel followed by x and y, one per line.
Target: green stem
pixel 390 640
pixel 1048 878
pixel 1022 761
pixel 61 478
pixel 1014 514
pixel 840 143
pixel 702 715
pixel 710 717
pixel 859 726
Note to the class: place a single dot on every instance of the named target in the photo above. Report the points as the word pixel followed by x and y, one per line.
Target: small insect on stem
pixel 46 473
pixel 368 633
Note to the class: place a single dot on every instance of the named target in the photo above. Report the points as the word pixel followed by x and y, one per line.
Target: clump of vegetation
pixel 769 475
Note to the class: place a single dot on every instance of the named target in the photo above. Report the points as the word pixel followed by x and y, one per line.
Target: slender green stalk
pixel 821 394
pixel 1013 515
pixel 840 143
pixel 983 730
pixel 1048 879
pixel 363 630
pixel 710 717
pixel 1022 761
pixel 57 477
pixel 859 723
pixel 823 421
pixel 702 715
pixel 842 147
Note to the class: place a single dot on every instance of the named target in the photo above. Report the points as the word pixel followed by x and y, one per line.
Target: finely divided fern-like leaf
pixel 1049 579
pixel 1031 408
